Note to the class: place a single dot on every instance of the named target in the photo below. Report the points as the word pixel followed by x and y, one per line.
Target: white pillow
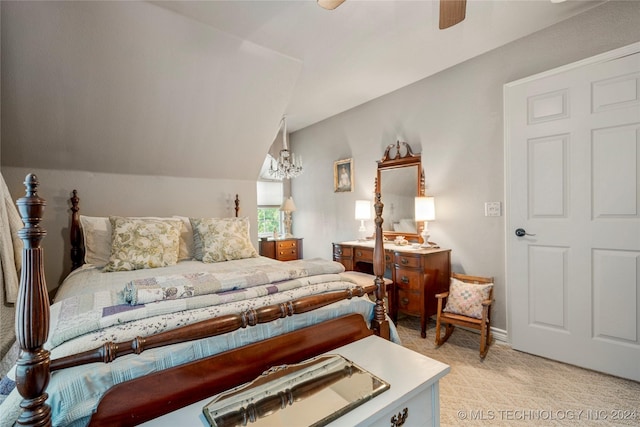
pixel 96 232
pixel 187 250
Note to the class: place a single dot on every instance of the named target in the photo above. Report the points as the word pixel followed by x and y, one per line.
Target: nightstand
pixel 282 249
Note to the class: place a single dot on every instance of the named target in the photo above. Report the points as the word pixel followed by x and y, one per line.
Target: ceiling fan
pixel 452 12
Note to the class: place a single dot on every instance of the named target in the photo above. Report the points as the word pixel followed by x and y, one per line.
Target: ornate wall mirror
pixel 400 179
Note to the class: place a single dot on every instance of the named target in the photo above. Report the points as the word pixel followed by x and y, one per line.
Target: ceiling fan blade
pixel 452 12
pixel 330 4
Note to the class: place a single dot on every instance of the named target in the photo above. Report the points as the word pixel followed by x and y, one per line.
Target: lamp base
pixel 287 225
pixel 362 232
pixel 425 239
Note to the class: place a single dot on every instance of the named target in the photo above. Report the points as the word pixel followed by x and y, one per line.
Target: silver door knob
pixel 520 232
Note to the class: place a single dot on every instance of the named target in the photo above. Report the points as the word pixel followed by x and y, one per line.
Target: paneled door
pixel 573 213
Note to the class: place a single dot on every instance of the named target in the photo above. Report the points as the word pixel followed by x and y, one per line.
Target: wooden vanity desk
pixel 417 274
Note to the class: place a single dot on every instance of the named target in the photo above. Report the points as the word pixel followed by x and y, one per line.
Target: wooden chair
pixel 450 320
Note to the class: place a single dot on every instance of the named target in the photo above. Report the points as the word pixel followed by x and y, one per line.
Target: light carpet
pixel 511 388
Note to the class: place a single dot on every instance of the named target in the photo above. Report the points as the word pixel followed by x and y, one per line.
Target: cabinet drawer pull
pixel 400 419
pixel 404 280
pixel 387 258
pixel 339 251
pixel 359 253
pixel 404 261
pixel 404 301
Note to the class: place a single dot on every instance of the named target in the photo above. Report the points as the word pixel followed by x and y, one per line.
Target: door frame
pixel 510 224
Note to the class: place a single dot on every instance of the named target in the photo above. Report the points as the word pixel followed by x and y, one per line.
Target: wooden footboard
pixel 32 326
pixel 174 388
pixel 109 351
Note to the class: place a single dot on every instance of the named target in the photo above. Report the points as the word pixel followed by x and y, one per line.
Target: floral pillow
pixel 143 243
pixel 222 239
pixel 466 298
pixel 97 231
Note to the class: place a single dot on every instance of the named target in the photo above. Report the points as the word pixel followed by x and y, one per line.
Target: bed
pixel 104 352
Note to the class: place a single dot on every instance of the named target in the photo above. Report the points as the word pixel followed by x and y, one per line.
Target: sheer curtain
pixel 10 264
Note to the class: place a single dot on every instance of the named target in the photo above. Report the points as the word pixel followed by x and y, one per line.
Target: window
pixel 269 201
pixel 268 221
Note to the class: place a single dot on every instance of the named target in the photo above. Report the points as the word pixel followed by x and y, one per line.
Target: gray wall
pixel 455 120
pixel 103 194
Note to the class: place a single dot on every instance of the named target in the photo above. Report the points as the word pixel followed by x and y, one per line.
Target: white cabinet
pixel 413 380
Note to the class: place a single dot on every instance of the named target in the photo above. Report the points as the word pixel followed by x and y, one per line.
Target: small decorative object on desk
pixel 311 393
pixel 401 241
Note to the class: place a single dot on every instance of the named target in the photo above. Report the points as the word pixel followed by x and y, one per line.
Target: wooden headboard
pixel 76 236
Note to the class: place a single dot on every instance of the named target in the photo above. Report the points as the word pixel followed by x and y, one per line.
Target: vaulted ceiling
pixel 367 48
pixel 187 88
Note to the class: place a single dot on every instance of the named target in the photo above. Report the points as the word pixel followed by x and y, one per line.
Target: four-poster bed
pixel 325 321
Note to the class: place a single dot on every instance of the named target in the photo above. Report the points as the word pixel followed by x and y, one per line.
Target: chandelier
pixel 287 165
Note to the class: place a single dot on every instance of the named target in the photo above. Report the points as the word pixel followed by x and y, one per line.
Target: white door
pixel 573 184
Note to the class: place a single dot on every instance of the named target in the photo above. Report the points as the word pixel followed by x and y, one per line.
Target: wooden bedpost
pixel 379 323
pixel 32 313
pixel 75 235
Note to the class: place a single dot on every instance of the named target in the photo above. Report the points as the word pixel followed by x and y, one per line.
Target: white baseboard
pixel 498 334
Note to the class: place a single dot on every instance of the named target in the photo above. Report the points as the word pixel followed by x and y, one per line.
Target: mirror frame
pixel 400 155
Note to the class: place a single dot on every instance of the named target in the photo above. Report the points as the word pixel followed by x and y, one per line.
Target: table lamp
pixel 425 211
pixel 363 211
pixel 287 207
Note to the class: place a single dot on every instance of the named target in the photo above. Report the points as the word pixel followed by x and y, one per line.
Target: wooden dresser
pixel 417 274
pixel 282 249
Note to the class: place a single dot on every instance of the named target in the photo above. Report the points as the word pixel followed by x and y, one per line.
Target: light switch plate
pixel 492 209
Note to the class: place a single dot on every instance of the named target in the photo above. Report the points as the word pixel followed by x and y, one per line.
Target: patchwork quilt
pixel 93 307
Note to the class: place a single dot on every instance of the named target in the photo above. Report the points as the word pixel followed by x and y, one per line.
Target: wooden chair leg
pixel 485 339
pixel 448 330
pixel 440 298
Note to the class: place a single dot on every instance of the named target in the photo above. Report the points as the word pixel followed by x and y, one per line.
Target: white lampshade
pixel 425 209
pixel 329 4
pixel 363 209
pixel 288 205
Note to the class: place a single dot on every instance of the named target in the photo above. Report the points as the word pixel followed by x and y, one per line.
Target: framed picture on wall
pixel 343 176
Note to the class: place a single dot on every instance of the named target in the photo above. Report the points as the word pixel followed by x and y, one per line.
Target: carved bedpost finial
pixel 32 313
pixel 31 208
pixel 75 235
pixel 237 202
pixel 379 322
